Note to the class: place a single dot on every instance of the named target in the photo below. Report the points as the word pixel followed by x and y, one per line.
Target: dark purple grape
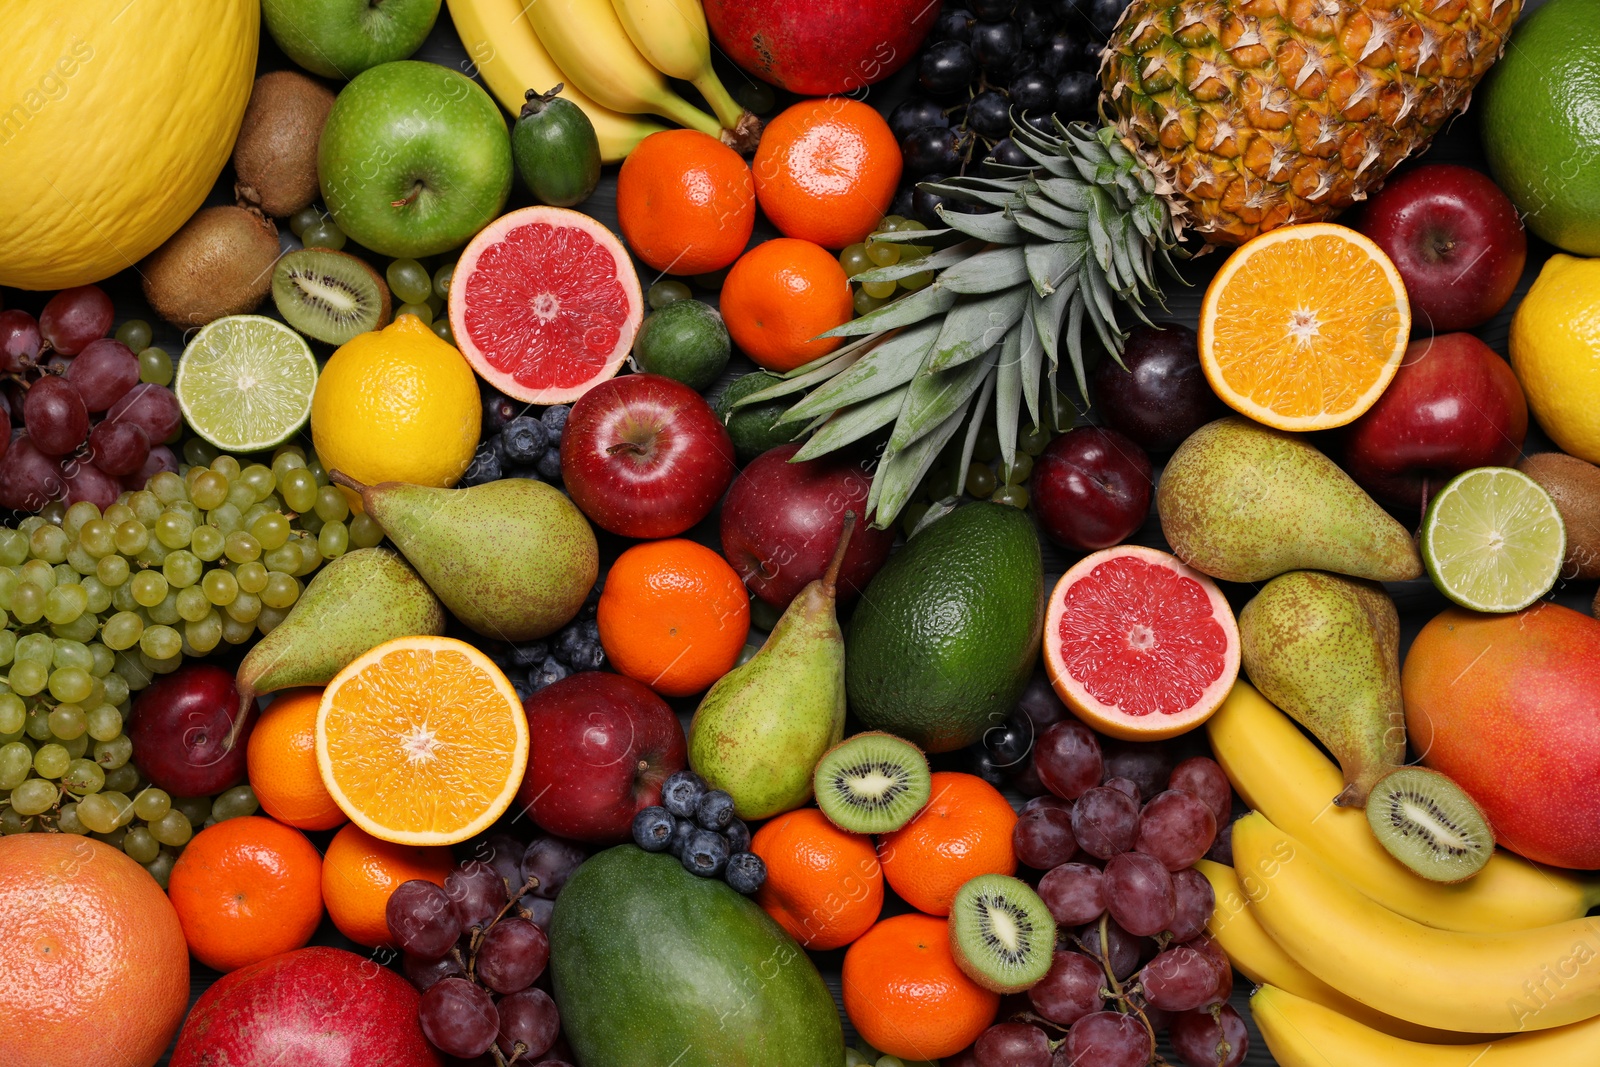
pixel 1036 19
pixel 1033 90
pixel 504 853
pixel 1139 894
pixel 421 919
pixel 1109 1039
pixel 476 893
pixel 1070 990
pixel 118 448
pixel 1074 893
pixel 104 372
pixel 1010 742
pixel 153 408
pixel 652 828
pixel 1194 901
pixel 1012 1045
pixel 529 1019
pixel 1067 757
pixel 1042 838
pixel 1076 92
pixel 680 793
pixel 29 479
pixel 55 415
pixel 498 411
pixel 1221 850
pixel 996 46
pixel 458 1017
pixel 513 954
pixel 425 973
pixel 931 150
pixel 1203 777
pixel 915 113
pixel 1176 828
pixel 989 114
pixel 925 204
pixel 1146 763
pixel 1122 949
pixel 161 458
pixel 1124 785
pixel 1105 821
pixel 20 340
pixel 1006 153
pixel 1207 1039
pixel 537 910
pixel 1041 704
pixel 947 68
pixel 993 10
pixel 953 24
pixel 904 201
pixel 85 481
pixel 551 860
pixel 1180 979
pixel 1105 13
pixel 74 317
pixel 1059 54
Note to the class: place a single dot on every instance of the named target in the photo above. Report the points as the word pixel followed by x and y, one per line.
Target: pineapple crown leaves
pixel 1077 235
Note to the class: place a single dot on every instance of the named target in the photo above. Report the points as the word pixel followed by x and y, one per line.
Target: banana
pixel 1302 1033
pixel 672 35
pixel 1471 982
pixel 1259 959
pixel 1282 774
pixel 586 39
pixel 509 56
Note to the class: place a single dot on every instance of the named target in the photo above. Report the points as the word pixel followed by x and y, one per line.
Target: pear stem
pixel 830 580
pixel 247 699
pixel 341 478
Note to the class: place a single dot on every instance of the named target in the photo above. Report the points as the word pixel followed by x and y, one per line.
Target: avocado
pixel 655 967
pixel 945 637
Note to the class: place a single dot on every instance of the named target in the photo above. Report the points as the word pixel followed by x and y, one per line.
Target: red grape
pixel 1108 1039
pixel 420 919
pixel 1146 763
pixel 1073 893
pixel 458 1017
pixel 160 459
pixel 1049 800
pixel 20 340
pixel 1070 989
pixel 1195 901
pixel 74 317
pixel 1139 894
pixel 1012 1045
pixel 1121 951
pixel 104 372
pixel 1221 850
pixel 55 415
pixel 513 954
pixel 1105 821
pixel 1040 703
pixel 1042 838
pixel 29 479
pixel 1180 979
pixel 1067 759
pixel 118 448
pixel 537 910
pixel 424 974
pixel 1125 785
pixel 529 1019
pixel 1211 1038
pixel 1026 780
pixel 476 893
pixel 153 407
pixel 504 853
pixel 551 860
pixel 85 481
pixel 1204 778
pixel 1176 828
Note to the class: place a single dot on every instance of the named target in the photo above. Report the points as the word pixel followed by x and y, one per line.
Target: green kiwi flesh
pixel 1427 822
pixel 1001 933
pixel 329 295
pixel 872 783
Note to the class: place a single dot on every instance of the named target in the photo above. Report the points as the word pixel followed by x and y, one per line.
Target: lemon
pixel 397 405
pixel 1555 350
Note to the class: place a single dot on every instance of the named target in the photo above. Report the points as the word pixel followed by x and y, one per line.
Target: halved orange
pixel 422 741
pixel 1304 326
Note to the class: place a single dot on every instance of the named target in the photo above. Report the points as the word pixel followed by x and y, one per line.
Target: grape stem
pixel 476 942
pixel 1104 956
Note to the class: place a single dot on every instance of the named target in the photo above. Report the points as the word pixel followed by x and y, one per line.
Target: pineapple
pixel 1227 117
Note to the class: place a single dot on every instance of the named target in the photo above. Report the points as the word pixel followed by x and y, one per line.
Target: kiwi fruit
pixel 872 783
pixel 328 295
pixel 1001 933
pixel 1575 487
pixel 1428 823
pixel 219 263
pixel 275 155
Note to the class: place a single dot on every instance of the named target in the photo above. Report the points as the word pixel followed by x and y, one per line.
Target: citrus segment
pixel 1138 645
pixel 245 383
pixel 422 741
pixel 1304 326
pixel 1493 540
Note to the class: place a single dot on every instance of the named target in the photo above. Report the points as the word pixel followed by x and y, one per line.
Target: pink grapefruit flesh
pixel 1138 645
pixel 544 304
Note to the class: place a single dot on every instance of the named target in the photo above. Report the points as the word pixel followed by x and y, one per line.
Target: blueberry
pixel 522 682
pixel 590 657
pixel 947 68
pixel 568 642
pixel 498 410
pixel 745 872
pixel 523 440
pixel 680 837
pixel 549 672
pixel 932 149
pixel 1033 90
pixel 549 465
pixel 997 46
pixel 1076 93
pixel 951 25
pixel 914 114
pixel 530 655
pixel 990 114
pixel 555 421
pixel 714 811
pixel 681 793
pixel 738 835
pixel 485 465
pixel 653 828
pixel 705 853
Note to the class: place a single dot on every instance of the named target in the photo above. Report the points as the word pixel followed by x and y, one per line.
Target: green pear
pixel 761 729
pixel 1326 649
pixel 513 559
pixel 1245 503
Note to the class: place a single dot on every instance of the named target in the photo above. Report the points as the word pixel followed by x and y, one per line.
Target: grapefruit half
pixel 544 304
pixel 1138 645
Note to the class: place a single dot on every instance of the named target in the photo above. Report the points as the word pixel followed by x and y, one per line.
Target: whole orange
pixel 246 889
pixel 93 967
pixel 824 885
pixel 673 615
pixel 359 872
pixel 780 296
pixel 686 202
pixel 964 831
pixel 827 170
pixel 906 995
pixel 282 761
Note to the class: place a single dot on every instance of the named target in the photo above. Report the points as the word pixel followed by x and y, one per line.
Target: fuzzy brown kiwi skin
pixel 275 156
pixel 1574 485
pixel 219 263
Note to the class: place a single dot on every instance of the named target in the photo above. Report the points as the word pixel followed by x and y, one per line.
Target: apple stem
pixel 626 446
pixel 416 190
pixel 830 580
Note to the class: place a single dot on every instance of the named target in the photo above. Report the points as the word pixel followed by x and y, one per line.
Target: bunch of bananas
pixel 613 58
pixel 1358 960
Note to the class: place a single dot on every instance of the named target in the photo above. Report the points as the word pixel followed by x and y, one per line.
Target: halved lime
pixel 1493 540
pixel 245 383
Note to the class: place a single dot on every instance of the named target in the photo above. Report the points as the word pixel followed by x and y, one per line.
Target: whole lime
pixel 754 428
pixel 1541 123
pixel 685 341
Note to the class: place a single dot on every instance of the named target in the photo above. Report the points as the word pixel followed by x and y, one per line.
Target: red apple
pixel 179 731
pixel 599 747
pixel 820 47
pixel 1453 405
pixel 1091 488
pixel 645 456
pixel 781 523
pixel 313 1007
pixel 1456 240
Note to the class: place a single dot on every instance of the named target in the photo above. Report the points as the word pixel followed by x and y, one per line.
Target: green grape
pixel 235 632
pixel 1012 495
pixel 149 588
pixel 260 479
pixel 65 603
pixel 161 867
pixel 16 763
pixel 78 514
pixel 49 543
pixel 120 801
pixel 252 577
pixel 38 572
pixel 241 496
pixel 34 796
pixel 199 453
pixel 80 561
pixel 27 603
pixel 51 761
pixel 112 571
pixel 207 543
pixel 286 558
pixel 173 528
pixel 304 219
pixel 227 466
pixel 104 722
pixel 182 569
pixel 174 827
pixel 409 281
pixel 311 556
pixel 204 634
pixel 113 753
pixel 146 508
pixel 225 518
pixel 141 845
pixel 242 548
pixel 245 607
pixel 68 822
pixel 8 646
pixel 65 574
pixel 166 612
pixel 441 330
pixel 13 714
pixel 124 779
pixel 920 280
pixel 38 648
pixel 132 670
pixel 168 487
pixel 864 304
pixel 100 660
pixel 980 480
pixel 155 366
pixel 83 776
pixel 71 654
pixel 13 547
pixel 114 838
pixel 854 260
pixel 192 604
pixel 421 311
pixel 882 253
pixel 332 505
pixel 116 687
pixel 333 540
pixel 310 523
pixel 219 587
pixel 68 721
pixel 152 803
pixel 364 531
pixel 82 628
pixel 77 746
pixel 879 290
pixel 156 665
pixel 10 578
pixel 238 801
pixel 286 458
pixel 122 598
pixel 281 591
pixel 97 595
pixel 269 619
pixel 71 684
pixel 122 630
pixel 32 523
pixel 132 537
pixel 270 530
pixel 28 679
pixel 209 489
pixel 118 513
pixel 299 488
pixel 442 278
pixel 12 822
pixel 97 812
pixel 160 642
pixel 96 538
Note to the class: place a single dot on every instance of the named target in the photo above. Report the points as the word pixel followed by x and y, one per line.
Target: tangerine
pixel 282 762
pixel 964 831
pixel 824 885
pixel 359 872
pixel 780 296
pixel 686 202
pixel 906 995
pixel 827 170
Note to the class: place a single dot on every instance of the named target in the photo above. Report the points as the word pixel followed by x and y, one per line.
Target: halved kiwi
pixel 872 783
pixel 1001 933
pixel 1428 823
pixel 329 295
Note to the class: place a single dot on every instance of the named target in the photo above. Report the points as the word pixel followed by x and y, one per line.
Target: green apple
pixel 342 38
pixel 414 159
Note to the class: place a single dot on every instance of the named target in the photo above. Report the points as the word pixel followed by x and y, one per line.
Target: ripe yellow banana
pixel 672 35
pixel 505 50
pixel 1282 774
pixel 1301 1033
pixel 587 41
pixel 1486 983
pixel 1259 959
